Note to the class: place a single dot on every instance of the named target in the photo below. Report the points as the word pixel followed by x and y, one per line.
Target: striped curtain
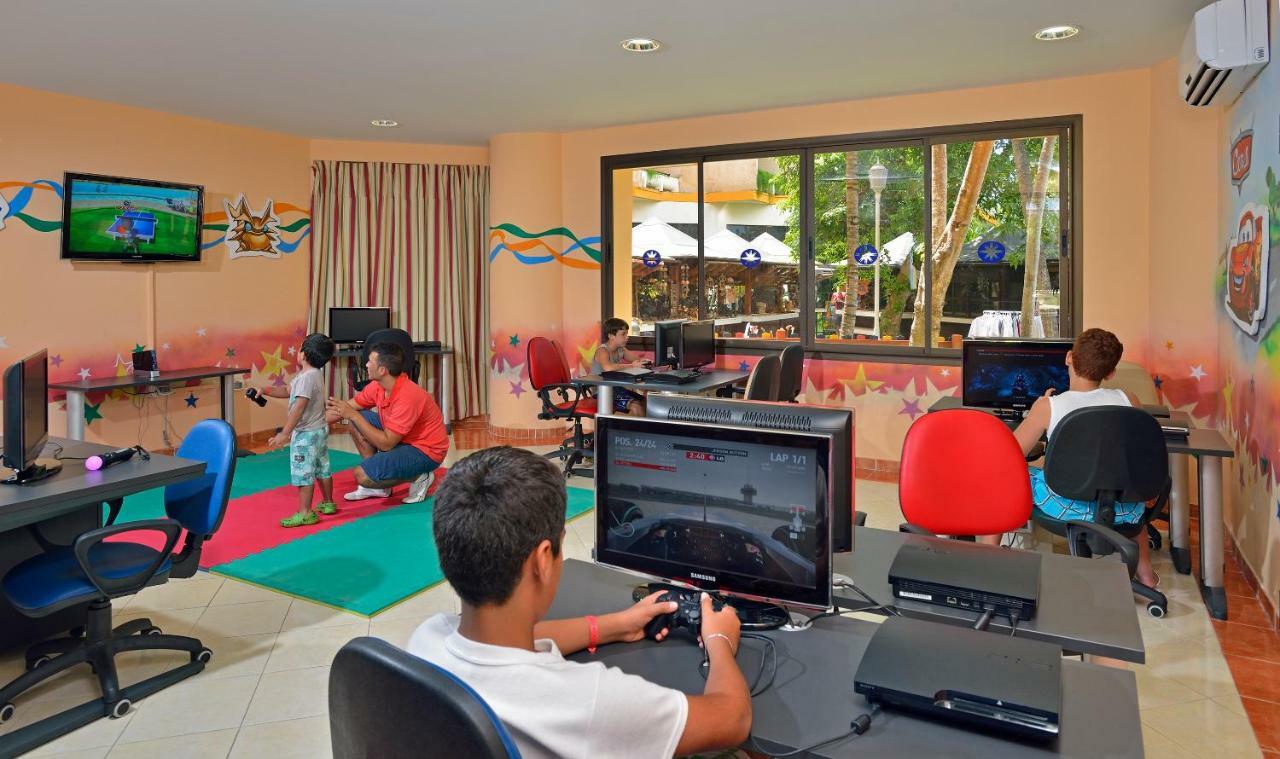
pixel 410 237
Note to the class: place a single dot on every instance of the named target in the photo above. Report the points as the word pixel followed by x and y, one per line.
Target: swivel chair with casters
pixel 1105 455
pixel 385 702
pixel 791 373
pixel 98 567
pixel 355 370
pixel 962 475
pixel 562 399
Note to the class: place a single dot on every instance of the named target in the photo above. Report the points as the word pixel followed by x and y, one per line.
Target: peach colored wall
pixel 397 152
pixel 89 315
pixel 524 300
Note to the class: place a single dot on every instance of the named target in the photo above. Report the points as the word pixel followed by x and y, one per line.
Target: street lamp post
pixel 878 176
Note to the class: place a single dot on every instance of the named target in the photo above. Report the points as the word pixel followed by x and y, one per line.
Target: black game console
pixel 977 680
pixel 673 377
pixel 967 576
pixel 626 375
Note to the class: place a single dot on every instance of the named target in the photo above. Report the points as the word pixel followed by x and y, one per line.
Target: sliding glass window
pixel 893 243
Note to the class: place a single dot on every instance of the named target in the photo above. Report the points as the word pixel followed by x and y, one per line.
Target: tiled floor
pixel 264 693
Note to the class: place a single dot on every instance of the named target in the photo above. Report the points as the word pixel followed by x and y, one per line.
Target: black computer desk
pixel 1085 606
pixel 1209 448
pixel 711 379
pixel 63 506
pixel 812 694
pixel 76 391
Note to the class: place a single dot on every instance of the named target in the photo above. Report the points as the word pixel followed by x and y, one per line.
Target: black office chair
pixel 1108 454
pixel 387 703
pixel 356 372
pixel 95 570
pixel 791 373
pixel 762 383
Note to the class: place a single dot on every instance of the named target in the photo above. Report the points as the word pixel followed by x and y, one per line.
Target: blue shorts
pixel 404 462
pixel 1055 506
pixel 622 398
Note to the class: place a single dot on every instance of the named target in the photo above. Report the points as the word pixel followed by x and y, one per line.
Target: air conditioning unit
pixel 1225 48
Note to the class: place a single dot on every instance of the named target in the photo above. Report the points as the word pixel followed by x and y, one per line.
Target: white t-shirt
pixel 558 708
pixel 1062 404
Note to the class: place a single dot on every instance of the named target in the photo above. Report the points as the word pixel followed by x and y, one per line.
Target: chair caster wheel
pixel 6 712
pixel 152 630
pixel 203 656
pixel 76 632
pixel 1156 610
pixel 39 661
pixel 121 708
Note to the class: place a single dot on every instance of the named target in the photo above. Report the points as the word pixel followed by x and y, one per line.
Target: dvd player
pixel 973 679
pixel 962 575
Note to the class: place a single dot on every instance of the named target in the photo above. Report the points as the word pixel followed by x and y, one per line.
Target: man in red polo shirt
pixel 405 441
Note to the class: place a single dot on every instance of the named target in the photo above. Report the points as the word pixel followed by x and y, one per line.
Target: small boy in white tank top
pixel 1092 360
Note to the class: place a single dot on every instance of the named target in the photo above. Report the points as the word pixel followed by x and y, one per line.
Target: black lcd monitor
pixel 353 325
pixel 836 422
pixel 697 344
pixel 739 511
pixel 131 220
pixel 26 413
pixel 666 343
pixel 1009 375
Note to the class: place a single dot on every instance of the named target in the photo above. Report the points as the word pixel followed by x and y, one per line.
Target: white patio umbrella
pixel 654 234
pixel 725 245
pixel 773 250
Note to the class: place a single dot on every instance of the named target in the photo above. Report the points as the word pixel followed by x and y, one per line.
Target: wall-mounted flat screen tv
pixel 138 220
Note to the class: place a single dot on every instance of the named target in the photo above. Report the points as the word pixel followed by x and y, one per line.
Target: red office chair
pixel 561 399
pixel 963 474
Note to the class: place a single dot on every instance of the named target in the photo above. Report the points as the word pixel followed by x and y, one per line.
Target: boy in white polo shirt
pixel 498 524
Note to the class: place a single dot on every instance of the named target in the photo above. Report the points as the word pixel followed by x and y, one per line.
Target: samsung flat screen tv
pixel 135 220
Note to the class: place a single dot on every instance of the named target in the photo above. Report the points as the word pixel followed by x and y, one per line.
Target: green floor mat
pixel 364 566
pixel 254 474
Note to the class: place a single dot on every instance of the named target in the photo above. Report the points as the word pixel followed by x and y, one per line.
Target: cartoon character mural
pixel 249 233
pixel 1247 255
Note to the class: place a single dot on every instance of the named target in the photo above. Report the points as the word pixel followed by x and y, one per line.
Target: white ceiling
pixel 454 71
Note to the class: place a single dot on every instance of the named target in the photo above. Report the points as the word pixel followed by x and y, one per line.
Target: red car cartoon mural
pixel 1246 270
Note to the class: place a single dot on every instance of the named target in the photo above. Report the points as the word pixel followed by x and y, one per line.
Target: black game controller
pixel 688 613
pixel 258 398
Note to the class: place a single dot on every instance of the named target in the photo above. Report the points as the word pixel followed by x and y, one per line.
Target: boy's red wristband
pixel 594 639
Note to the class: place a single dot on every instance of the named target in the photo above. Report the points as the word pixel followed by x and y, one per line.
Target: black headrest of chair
pixel 762 385
pixel 386 703
pixel 789 377
pixel 398 337
pixel 1107 448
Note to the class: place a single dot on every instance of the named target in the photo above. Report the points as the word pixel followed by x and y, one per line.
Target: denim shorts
pixel 1055 506
pixel 308 456
pixel 622 398
pixel 404 462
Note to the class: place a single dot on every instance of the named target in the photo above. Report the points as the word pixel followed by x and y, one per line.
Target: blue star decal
pixel 743 366
pixel 191 400
pixel 991 251
pixel 514 340
pixel 1157 381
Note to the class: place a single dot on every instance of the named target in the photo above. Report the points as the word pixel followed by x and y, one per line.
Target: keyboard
pixel 673 377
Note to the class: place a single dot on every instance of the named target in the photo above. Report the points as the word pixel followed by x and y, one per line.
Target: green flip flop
pixel 301 519
pixel 327 508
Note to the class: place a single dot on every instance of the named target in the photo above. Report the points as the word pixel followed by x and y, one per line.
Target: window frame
pixel 1068 128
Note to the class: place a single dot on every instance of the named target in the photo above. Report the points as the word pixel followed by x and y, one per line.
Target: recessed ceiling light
pixel 1061 32
pixel 640 45
pixel 385 123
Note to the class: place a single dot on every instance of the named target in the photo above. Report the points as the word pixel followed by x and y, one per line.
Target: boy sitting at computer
pixel 499 524
pixel 613 355
pixel 1092 359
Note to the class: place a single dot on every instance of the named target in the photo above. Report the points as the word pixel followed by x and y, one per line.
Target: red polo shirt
pixel 409 411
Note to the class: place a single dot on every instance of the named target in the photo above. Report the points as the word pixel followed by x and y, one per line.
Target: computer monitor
pixel 1009 375
pixel 697 344
pixel 666 343
pixel 836 422
pixel 26 414
pixel 740 511
pixel 353 325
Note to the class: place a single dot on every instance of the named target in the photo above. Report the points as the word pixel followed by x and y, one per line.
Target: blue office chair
pixel 388 703
pixel 94 570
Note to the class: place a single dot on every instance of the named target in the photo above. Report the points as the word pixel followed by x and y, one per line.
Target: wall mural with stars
pixel 1249 321
pixel 240 306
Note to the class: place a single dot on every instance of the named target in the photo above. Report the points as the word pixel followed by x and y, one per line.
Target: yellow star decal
pixel 273 363
pixel 860 385
pixel 1168 345
pixel 123 369
pixel 588 353
pixel 1226 398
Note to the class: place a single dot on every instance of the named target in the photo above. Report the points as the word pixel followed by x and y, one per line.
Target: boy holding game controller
pixel 499 527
